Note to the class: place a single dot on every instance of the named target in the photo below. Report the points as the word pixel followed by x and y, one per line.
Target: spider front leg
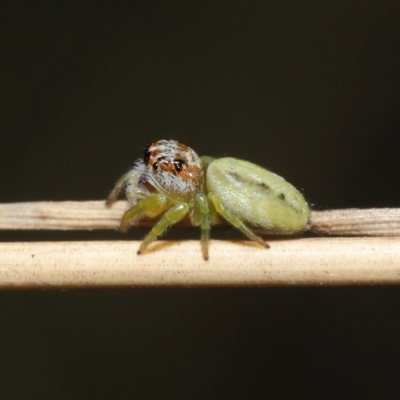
pixel 131 176
pixel 151 206
pixel 201 217
pixel 234 220
pixel 172 216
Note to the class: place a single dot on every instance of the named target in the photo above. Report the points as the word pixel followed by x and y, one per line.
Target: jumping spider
pixel 173 180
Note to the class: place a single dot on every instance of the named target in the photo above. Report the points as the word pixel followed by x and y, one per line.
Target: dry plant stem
pixel 61 215
pixel 301 261
pixel 357 222
pixel 307 261
pixel 86 215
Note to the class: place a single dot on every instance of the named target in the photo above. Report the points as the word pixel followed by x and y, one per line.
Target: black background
pixel 307 89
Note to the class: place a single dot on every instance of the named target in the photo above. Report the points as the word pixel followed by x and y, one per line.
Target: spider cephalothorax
pixel 171 180
pixel 173 168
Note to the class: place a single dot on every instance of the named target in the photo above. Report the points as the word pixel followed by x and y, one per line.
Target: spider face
pixel 173 181
pixel 172 168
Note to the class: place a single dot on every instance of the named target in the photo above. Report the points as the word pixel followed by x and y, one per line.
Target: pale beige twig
pixel 84 215
pixel 357 222
pixel 307 261
pixel 300 261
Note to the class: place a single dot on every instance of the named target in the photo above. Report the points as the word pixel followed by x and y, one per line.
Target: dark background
pixel 307 89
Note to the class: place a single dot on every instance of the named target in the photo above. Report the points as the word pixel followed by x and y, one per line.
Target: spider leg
pixel 235 221
pixel 206 161
pixel 172 216
pixel 131 176
pixel 201 217
pixel 151 206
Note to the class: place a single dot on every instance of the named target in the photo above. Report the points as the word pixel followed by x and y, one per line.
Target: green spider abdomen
pixel 260 198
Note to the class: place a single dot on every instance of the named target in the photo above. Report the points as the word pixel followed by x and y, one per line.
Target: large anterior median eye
pixel 179 164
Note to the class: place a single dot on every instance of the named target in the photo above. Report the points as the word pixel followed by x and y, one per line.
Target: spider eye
pixel 146 154
pixel 155 166
pixel 179 164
